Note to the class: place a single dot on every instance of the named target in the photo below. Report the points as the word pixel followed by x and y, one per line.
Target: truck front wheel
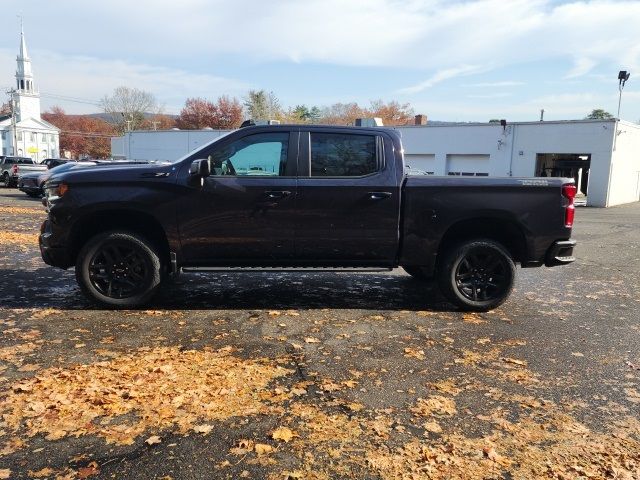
pixel 477 275
pixel 118 269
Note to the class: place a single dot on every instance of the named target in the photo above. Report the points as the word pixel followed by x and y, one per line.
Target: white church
pixel 26 134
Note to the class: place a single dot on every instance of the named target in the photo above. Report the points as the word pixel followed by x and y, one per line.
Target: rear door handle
pixel 379 195
pixel 277 193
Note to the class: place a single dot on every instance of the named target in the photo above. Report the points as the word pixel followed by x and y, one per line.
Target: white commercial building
pixel 25 133
pixel 602 155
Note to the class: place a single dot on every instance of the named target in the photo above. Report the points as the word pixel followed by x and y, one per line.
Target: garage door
pixel 468 165
pixel 420 164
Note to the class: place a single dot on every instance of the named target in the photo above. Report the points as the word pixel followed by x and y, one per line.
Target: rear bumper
pixel 560 253
pixel 52 255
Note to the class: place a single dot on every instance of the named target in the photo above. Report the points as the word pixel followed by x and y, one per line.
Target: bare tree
pixel 127 107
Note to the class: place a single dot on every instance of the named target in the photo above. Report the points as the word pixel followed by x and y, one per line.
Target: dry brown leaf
pixel 311 340
pixel 89 470
pixel 152 440
pixel 5 473
pixel 283 433
pixel 263 448
pixel 204 429
pixel 43 472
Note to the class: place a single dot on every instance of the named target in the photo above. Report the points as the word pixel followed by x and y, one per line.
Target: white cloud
pixel 490 95
pixel 581 67
pixel 506 83
pixel 441 76
pixel 89 78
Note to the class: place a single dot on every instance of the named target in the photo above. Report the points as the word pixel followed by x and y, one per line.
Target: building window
pixel 19 135
pixel 52 138
pixel 4 134
pixel 4 150
pixel 19 152
pixel 32 136
pixel 44 137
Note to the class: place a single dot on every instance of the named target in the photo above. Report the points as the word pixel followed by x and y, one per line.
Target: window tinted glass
pixel 262 154
pixel 342 155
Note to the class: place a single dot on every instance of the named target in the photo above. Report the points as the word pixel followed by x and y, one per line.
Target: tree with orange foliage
pixel 81 135
pixel 392 113
pixel 200 113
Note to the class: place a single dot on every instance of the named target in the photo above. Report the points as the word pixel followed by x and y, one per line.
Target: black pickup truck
pixel 302 197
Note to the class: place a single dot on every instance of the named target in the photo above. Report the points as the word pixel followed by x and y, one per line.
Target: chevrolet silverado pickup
pixel 302 197
pixel 12 167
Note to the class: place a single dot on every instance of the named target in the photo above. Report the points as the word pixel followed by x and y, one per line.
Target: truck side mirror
pixel 200 168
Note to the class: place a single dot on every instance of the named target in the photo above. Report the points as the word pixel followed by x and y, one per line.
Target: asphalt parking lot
pixel 322 376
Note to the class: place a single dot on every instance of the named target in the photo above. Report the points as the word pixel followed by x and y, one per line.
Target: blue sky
pixel 452 60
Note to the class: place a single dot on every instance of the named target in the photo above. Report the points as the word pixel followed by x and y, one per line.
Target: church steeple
pixel 24 75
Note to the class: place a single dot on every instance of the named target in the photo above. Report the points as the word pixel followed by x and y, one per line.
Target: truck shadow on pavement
pixel 50 288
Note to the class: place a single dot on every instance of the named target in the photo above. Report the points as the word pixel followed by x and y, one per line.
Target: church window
pixel 19 135
pixel 21 84
pixel 51 138
pixel 44 137
pixel 32 136
pixel 4 135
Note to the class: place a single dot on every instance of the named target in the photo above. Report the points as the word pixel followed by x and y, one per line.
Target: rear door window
pixel 343 155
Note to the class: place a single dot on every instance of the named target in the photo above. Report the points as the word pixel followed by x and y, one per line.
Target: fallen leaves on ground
pixel 159 388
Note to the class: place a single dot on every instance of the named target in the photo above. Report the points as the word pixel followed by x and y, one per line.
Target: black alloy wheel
pixel 482 274
pixel 118 269
pixel 477 274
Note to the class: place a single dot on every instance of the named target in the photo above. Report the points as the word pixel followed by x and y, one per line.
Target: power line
pixel 70 99
pixel 86 134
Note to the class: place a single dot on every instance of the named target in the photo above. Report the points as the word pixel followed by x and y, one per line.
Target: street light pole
pixel 623 76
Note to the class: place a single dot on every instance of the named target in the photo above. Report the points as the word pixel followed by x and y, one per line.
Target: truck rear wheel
pixel 118 269
pixel 6 181
pixel 477 275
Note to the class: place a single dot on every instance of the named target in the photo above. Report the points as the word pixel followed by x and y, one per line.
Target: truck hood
pixel 115 173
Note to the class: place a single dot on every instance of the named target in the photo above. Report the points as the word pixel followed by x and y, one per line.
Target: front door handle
pixel 277 193
pixel 379 195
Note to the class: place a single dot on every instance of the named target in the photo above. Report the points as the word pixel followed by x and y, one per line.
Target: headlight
pixel 56 190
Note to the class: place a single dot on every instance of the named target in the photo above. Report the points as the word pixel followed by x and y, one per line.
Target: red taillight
pixel 569 192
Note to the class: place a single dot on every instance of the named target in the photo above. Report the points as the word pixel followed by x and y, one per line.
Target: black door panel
pixel 347 220
pixel 243 214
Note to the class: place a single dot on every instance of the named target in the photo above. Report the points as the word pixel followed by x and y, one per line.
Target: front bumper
pixel 560 253
pixel 52 255
pixel 29 188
